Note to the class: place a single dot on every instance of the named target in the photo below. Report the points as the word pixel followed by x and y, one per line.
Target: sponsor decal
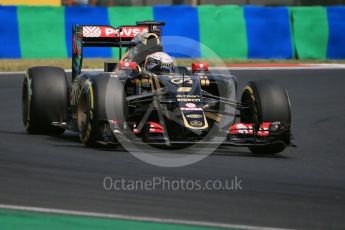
pixel 184 89
pixel 190 109
pixel 155 128
pixel 187 96
pixel 194 115
pixel 108 31
pixel 190 105
pixel 180 80
pixel 243 128
pixel 196 123
pixel 92 31
pixel 189 99
pixel 113 75
pixel 247 129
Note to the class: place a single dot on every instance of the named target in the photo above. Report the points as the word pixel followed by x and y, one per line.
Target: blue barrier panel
pixel 268 32
pixel 9 34
pixel 336 38
pixel 181 21
pixel 86 16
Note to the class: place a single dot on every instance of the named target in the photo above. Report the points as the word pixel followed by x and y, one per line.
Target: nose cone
pixel 193 117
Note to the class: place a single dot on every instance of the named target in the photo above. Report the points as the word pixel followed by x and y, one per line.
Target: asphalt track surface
pixel 301 188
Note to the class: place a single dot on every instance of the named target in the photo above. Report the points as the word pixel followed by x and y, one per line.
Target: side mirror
pixel 199 67
pixel 127 66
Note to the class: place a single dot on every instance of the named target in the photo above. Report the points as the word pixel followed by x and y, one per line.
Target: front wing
pixel 239 134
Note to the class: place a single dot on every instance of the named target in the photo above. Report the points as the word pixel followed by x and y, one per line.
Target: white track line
pixel 23 72
pixel 134 218
pixel 311 67
pixel 237 68
pixel 12 73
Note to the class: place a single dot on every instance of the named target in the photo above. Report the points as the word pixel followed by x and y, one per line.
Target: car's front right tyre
pixel 267 102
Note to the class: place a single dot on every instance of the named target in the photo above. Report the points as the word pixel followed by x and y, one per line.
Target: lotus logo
pixel 195 123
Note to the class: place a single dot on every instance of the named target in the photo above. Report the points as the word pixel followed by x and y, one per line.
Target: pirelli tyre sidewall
pixel 267 102
pixel 86 116
pixel 44 99
pixel 91 108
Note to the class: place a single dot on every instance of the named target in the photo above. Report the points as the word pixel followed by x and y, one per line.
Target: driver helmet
pixel 159 63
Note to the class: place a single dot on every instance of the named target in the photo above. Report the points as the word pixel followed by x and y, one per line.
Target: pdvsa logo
pixel 126 31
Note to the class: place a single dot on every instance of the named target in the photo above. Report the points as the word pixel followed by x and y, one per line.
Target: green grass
pixel 24 64
pixel 10 219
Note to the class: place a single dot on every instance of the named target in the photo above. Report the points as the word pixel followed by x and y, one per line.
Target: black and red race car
pixel 126 102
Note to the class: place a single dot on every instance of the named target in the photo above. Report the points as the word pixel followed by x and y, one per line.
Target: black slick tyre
pixel 268 102
pixel 44 100
pixel 93 109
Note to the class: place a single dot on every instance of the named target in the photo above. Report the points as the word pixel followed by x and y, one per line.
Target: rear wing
pixel 105 36
pixel 100 36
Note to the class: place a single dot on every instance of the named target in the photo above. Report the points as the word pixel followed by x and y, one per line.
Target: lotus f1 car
pixel 128 101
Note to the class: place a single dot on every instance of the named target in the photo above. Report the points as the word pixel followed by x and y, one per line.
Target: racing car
pixel 146 98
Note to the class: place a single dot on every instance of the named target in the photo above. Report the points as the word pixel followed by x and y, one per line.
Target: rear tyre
pixel 92 107
pixel 268 102
pixel 44 100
